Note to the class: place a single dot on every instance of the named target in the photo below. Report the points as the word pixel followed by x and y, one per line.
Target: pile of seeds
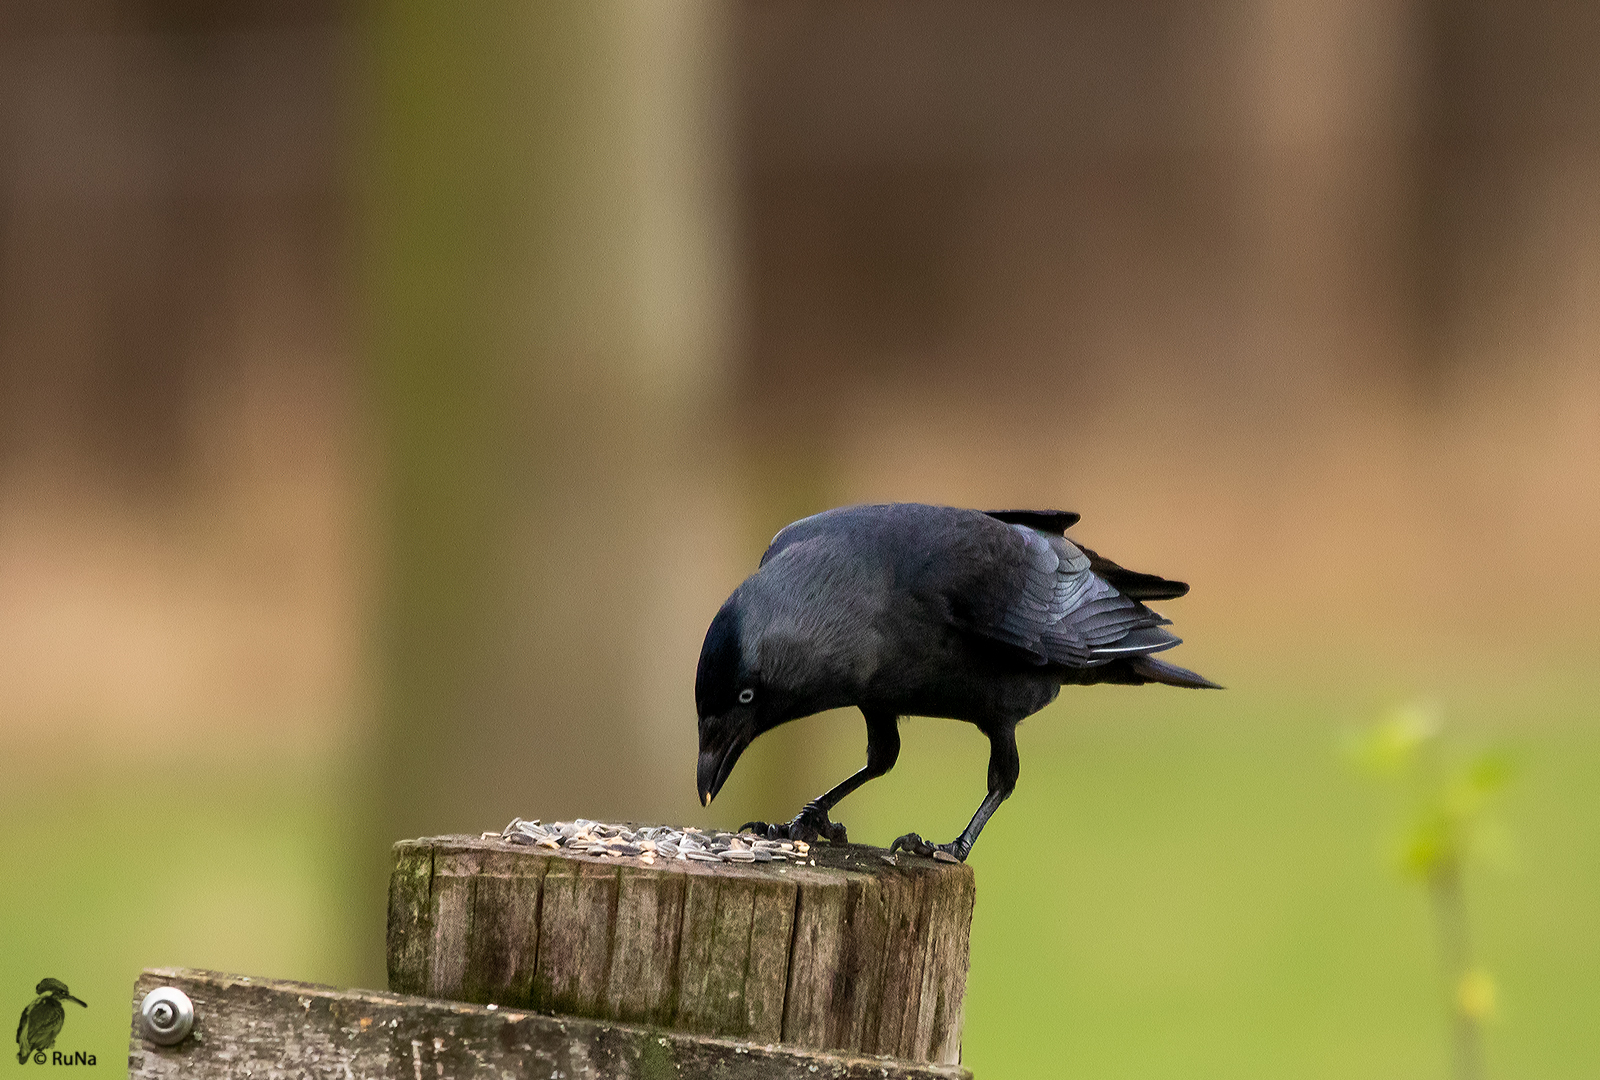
pixel 650 842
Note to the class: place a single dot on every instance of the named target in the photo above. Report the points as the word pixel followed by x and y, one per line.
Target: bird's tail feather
pixel 1150 669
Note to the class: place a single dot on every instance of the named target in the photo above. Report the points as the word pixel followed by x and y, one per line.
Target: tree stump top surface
pixel 855 953
pixel 825 862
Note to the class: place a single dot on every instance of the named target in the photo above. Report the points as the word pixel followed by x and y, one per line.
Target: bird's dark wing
pixel 1128 582
pixel 1050 521
pixel 1042 594
pixel 1133 584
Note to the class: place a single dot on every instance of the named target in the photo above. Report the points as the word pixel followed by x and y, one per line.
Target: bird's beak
pixel 69 997
pixel 716 763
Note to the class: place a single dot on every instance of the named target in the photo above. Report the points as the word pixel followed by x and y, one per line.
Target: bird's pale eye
pixel 746 696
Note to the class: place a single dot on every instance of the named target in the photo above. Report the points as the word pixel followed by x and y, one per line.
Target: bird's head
pixel 734 702
pixel 56 989
pixel 792 640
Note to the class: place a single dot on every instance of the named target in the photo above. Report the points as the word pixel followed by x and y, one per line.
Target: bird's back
pixel 883 529
pixel 1002 591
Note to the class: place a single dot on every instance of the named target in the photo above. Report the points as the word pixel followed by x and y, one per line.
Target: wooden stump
pixel 852 954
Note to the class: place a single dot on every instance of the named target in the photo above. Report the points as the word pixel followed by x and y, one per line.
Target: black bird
pixel 42 1018
pixel 911 610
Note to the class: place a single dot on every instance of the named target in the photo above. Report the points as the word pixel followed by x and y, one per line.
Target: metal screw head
pixel 167 1015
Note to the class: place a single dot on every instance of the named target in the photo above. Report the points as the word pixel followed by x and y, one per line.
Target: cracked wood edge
pixel 251 1026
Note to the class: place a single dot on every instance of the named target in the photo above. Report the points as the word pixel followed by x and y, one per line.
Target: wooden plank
pixel 503 938
pixel 262 1027
pixel 906 933
pixel 944 988
pixel 816 971
pixel 853 953
pixel 766 977
pixel 577 928
pixel 734 955
pixel 450 916
pixel 644 962
pixel 410 917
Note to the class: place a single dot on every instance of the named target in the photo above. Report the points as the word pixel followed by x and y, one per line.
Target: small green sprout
pixel 1448 827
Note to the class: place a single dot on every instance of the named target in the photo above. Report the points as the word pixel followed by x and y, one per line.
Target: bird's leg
pixel 883 747
pixel 1003 769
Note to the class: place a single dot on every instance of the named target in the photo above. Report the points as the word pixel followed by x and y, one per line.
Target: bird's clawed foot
pixel 811 823
pixel 916 845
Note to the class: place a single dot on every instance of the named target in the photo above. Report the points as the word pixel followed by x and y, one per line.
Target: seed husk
pixel 610 840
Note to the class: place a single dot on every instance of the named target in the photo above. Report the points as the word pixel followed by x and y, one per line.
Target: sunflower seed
pixel 605 840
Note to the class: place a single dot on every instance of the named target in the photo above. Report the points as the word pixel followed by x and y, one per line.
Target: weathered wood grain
pixel 263 1027
pixel 852 954
pixel 410 915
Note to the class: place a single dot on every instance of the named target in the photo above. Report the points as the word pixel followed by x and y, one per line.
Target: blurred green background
pixel 390 394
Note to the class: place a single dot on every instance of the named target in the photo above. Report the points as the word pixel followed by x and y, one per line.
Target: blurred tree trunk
pixel 547 301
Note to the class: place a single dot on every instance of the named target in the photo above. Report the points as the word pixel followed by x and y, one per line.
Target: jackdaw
pixel 911 610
